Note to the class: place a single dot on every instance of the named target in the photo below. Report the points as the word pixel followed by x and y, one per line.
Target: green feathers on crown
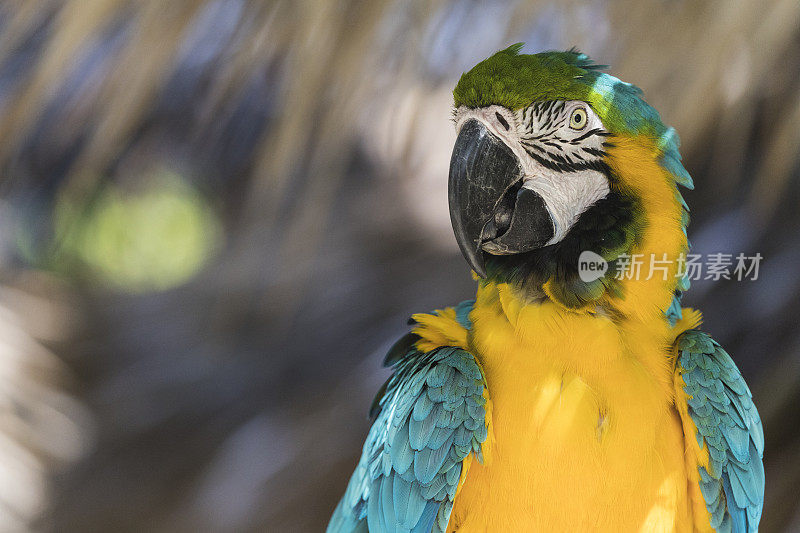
pixel 514 80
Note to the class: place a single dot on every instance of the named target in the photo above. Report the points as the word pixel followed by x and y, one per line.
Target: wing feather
pixel 430 416
pixel 720 417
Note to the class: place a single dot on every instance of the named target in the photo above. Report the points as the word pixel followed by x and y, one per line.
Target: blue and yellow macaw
pixel 564 397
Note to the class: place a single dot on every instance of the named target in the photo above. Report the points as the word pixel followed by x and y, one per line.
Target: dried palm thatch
pixel 317 132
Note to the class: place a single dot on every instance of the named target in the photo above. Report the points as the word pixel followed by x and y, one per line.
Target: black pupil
pixel 502 121
pixel 578 117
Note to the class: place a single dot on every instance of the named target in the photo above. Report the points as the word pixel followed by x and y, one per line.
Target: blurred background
pixel 216 215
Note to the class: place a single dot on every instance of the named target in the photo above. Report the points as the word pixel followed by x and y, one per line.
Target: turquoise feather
pixel 721 407
pixel 462 313
pixel 429 416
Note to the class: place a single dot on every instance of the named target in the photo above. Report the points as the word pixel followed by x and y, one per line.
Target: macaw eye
pixel 577 121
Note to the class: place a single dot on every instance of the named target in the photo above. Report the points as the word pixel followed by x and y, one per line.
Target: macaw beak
pixel 490 209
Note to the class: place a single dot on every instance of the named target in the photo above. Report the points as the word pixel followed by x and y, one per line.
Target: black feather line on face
pixel 535 146
pixel 593 151
pixel 588 134
pixel 561 164
pixel 550 112
pixel 552 145
pixel 560 158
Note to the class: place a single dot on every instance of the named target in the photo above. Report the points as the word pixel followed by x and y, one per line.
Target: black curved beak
pixel 489 209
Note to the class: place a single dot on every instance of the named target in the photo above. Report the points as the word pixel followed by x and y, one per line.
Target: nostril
pixel 502 120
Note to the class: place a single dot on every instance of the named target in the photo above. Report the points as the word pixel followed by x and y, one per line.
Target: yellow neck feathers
pixel 647 291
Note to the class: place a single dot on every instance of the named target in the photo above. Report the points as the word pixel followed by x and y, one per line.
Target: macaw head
pixel 554 158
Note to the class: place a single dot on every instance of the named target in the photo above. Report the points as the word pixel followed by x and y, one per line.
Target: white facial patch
pixel 566 199
pixel 559 145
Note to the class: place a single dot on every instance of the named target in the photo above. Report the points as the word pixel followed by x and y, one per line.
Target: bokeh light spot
pixel 155 238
